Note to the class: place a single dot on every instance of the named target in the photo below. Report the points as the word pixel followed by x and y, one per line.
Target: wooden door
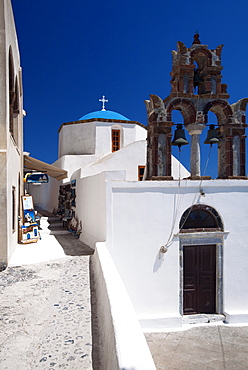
pixel 199 279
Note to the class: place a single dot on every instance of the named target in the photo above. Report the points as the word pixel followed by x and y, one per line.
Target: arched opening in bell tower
pixel 197 78
pixel 182 155
pixel 209 154
pixel 201 59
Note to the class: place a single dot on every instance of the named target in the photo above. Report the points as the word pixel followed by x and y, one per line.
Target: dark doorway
pixel 199 279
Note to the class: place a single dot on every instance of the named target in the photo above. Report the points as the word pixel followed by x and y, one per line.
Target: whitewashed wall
pixel 11 163
pixel 95 138
pixel 139 134
pixel 72 163
pixel 91 205
pixel 136 218
pixel 79 166
pixel 79 138
pixel 14 172
pixel 45 195
pixel 128 159
pixel 139 221
pixel 104 135
pixel 122 343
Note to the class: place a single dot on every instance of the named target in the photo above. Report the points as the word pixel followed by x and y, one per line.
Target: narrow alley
pixel 45 308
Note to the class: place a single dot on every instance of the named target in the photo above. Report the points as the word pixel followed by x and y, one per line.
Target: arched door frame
pixel 205 238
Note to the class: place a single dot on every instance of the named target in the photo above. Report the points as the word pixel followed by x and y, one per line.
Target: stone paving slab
pixel 45 316
pixel 203 347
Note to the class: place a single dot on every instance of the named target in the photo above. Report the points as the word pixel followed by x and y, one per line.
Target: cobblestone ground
pixel 45 316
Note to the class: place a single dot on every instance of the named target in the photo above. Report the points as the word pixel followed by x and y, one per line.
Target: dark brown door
pixel 199 279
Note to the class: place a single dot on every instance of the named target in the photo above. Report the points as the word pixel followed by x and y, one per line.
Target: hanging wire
pixel 198 189
pixel 200 184
pixel 204 172
pixel 176 199
pixel 177 202
pixel 179 198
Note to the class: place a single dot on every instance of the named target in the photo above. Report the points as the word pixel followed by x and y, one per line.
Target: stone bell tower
pixel 196 88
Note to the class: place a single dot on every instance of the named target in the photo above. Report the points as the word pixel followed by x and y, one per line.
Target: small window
pixel 141 170
pixel 115 140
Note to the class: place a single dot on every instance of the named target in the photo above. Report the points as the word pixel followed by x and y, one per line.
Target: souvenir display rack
pixel 29 232
pixel 67 201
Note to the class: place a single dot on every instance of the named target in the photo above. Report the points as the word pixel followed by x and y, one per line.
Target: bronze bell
pixel 179 137
pixel 212 137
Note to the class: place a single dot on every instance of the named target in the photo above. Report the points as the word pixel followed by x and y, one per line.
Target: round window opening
pixel 200 218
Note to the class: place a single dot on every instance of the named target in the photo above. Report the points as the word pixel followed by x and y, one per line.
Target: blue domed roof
pixel 107 114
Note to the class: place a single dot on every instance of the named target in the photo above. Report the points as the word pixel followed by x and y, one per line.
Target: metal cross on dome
pixel 103 100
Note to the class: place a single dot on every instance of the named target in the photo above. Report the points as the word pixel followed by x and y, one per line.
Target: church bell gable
pixel 196 89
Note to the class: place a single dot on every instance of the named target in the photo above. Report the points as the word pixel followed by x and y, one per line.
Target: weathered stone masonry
pixel 196 89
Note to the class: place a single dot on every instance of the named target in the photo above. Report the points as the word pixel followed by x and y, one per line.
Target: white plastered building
pixel 134 219
pixel 11 134
pixel 99 141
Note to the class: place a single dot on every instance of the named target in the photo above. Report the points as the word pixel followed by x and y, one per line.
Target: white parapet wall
pixel 122 342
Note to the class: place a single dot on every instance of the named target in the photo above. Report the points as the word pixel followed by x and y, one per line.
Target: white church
pixel 177 239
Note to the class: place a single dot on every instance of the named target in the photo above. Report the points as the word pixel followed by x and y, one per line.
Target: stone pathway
pixel 45 313
pixel 216 347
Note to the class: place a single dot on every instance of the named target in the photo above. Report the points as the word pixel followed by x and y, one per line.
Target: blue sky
pixel 73 52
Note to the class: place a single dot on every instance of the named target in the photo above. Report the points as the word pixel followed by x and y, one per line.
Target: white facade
pixel 84 143
pixel 93 137
pixel 11 137
pixel 135 219
pixel 140 220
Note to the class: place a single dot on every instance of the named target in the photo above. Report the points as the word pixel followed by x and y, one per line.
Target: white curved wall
pixel 96 137
pixel 128 159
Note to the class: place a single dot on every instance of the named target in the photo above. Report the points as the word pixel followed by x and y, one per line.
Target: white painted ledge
pixel 236 317
pixel 117 318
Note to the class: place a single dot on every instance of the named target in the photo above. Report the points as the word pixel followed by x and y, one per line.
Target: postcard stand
pixel 29 229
